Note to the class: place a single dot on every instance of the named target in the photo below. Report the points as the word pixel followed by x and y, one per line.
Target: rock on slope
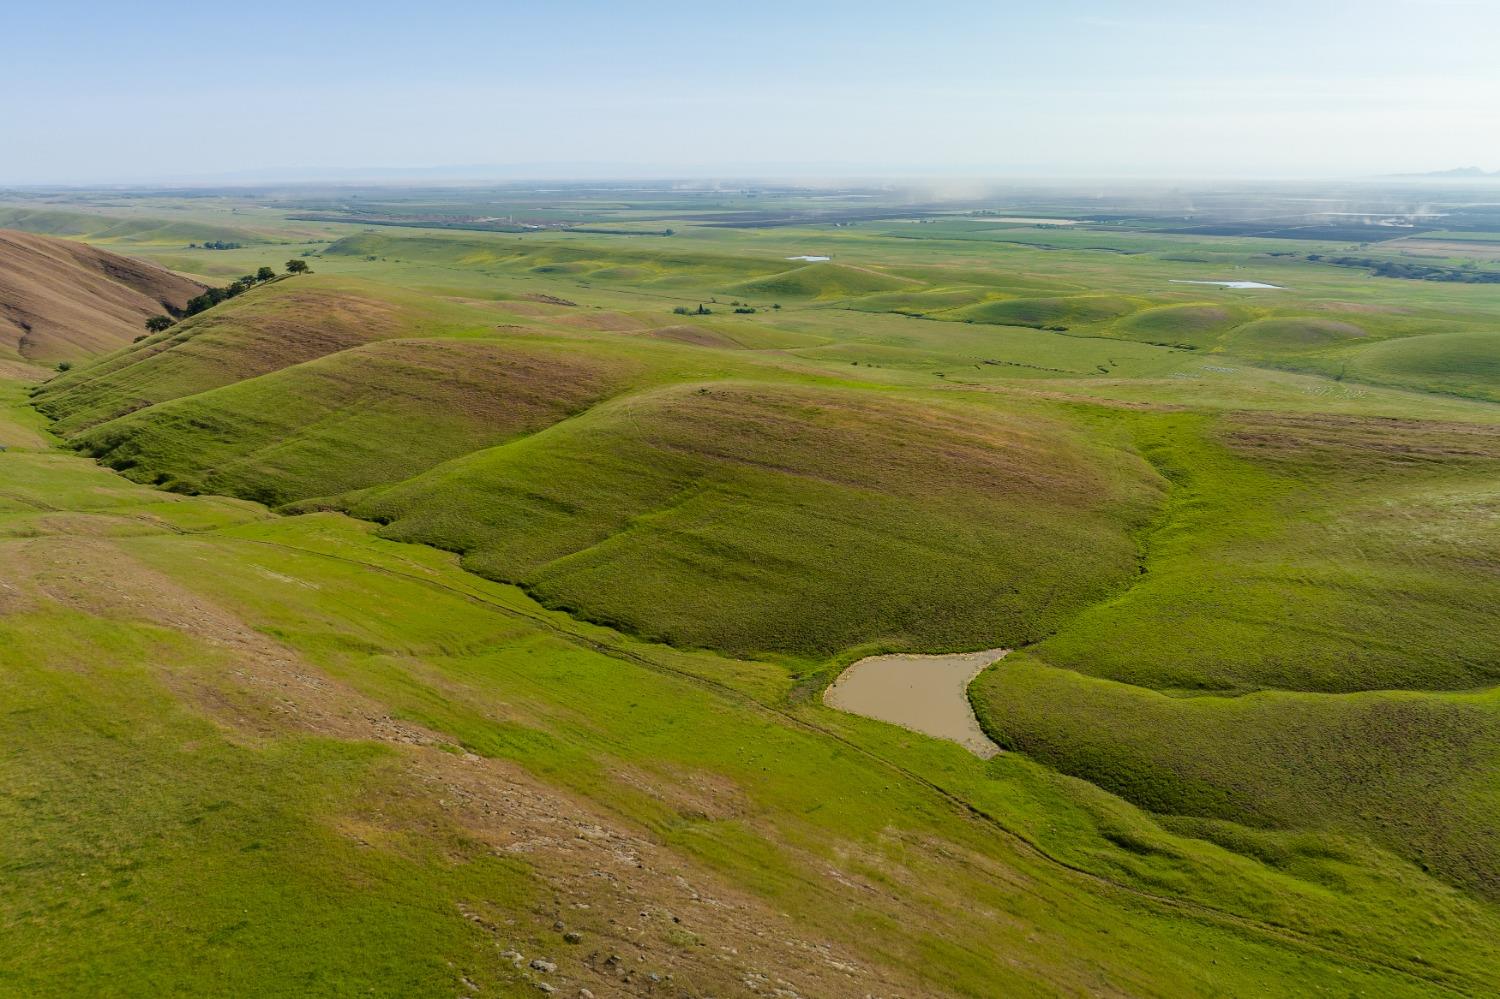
pixel 61 300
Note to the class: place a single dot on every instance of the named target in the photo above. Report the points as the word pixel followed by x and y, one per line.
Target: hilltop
pixel 62 301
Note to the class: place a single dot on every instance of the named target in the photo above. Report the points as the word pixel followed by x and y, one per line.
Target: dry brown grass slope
pixel 62 301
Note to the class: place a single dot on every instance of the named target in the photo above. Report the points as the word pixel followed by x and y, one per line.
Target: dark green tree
pixel 296 266
pixel 158 323
pixel 265 274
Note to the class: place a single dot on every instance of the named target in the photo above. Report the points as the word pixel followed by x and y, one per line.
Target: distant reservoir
pixel 1233 284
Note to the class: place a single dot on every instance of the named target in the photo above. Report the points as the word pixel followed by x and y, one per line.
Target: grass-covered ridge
pixel 1401 769
pixel 823 280
pixel 349 420
pixel 1466 363
pixel 1324 590
pixel 273 327
pixel 1307 553
pixel 754 518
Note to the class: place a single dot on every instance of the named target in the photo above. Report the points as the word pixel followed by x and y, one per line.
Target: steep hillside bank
pixel 63 301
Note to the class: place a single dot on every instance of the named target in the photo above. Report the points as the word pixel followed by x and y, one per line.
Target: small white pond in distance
pixel 1233 284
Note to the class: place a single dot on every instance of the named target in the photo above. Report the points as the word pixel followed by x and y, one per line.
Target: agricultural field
pixel 455 618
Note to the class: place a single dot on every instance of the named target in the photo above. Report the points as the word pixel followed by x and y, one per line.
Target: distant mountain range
pixel 1457 172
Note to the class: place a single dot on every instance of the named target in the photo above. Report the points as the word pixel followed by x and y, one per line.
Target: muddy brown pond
pixel 927 694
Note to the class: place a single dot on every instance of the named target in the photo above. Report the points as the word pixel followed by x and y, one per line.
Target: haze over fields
pixel 663 501
pixel 1081 88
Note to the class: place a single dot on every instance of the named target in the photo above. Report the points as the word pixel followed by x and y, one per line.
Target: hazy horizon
pixel 1164 90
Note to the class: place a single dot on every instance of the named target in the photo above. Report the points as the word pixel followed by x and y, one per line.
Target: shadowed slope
pixel 65 301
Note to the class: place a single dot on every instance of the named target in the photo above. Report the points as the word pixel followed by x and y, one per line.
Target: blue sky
pixel 95 92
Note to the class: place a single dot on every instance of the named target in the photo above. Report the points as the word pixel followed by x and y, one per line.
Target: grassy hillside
pixel 1291 335
pixel 754 518
pixel 1465 363
pixel 1301 561
pixel 1073 310
pixel 350 420
pixel 1307 553
pixel 1190 323
pixel 1411 772
pixel 265 330
pixel 822 280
